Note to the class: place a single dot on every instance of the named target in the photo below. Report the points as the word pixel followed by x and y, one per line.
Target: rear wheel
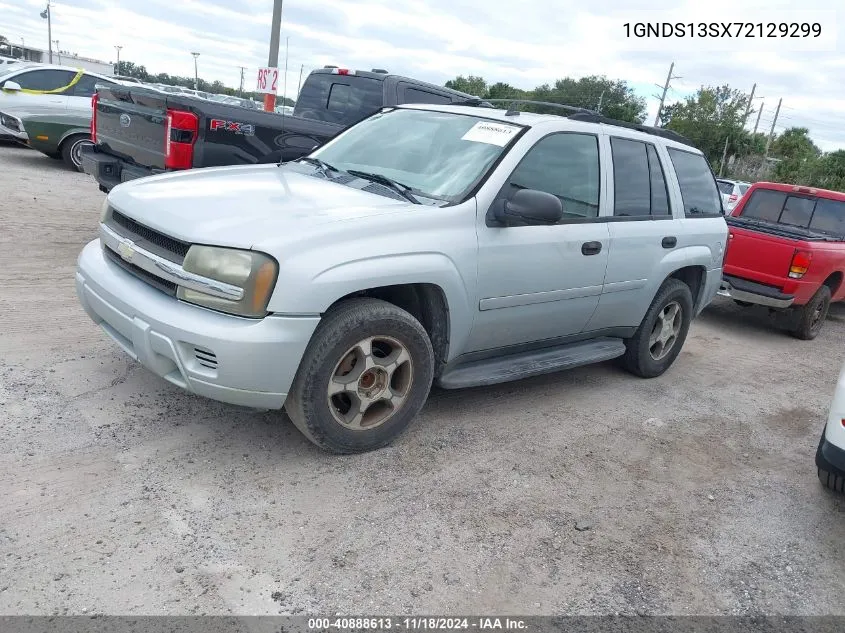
pixel 811 317
pixel 364 377
pixel 71 150
pixel 829 475
pixel 658 340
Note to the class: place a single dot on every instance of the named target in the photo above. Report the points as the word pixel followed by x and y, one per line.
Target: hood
pixel 245 204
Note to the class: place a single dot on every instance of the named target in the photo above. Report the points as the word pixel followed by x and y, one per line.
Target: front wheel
pixel 72 150
pixel 658 340
pixel 363 378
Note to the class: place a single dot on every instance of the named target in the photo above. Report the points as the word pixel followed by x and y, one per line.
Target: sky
pixel 521 42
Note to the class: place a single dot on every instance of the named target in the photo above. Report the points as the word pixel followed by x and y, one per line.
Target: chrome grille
pixel 157 282
pixel 145 237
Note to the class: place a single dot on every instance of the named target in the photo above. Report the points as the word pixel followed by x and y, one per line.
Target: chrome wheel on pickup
pixel 364 377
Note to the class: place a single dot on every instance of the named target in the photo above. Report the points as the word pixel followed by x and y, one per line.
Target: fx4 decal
pixel 235 127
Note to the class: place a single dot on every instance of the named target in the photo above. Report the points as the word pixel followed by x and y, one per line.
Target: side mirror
pixel 528 207
pixel 11 85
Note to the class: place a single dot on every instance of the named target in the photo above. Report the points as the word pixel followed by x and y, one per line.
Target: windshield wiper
pixel 323 165
pixel 400 188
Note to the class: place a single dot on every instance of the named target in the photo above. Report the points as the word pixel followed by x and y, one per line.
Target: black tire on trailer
pixel 363 378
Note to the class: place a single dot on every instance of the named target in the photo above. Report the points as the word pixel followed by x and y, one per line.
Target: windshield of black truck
pixel 341 99
pixel 437 154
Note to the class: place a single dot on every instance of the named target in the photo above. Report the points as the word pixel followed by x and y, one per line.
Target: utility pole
pixel 665 87
pixel 724 157
pixel 771 134
pixel 196 72
pixel 241 88
pixel 117 48
pixel 299 85
pixel 47 15
pixel 285 81
pixel 601 98
pixel 759 112
pixel 748 107
pixel 58 51
pixel 273 57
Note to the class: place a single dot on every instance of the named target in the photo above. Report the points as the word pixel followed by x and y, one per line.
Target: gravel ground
pixel 583 492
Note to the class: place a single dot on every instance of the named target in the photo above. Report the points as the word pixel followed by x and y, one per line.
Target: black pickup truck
pixel 139 130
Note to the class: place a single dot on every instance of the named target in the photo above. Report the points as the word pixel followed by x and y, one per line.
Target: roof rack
pixel 560 106
pixel 591 116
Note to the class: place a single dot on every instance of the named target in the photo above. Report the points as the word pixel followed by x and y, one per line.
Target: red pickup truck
pixel 786 250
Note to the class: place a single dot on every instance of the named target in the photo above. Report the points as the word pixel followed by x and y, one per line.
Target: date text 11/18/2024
pixel 416 624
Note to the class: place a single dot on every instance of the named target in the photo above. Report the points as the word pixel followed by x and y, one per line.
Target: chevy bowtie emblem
pixel 126 250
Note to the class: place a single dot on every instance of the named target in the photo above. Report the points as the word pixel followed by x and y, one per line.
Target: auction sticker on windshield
pixel 491 133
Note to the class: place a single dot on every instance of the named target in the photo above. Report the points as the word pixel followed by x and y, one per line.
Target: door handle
pixel 590 248
pixel 669 241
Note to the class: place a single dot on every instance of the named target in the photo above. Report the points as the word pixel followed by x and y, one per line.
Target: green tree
pixel 475 86
pixel 798 155
pixel 828 171
pixel 709 118
pixel 501 90
pixel 612 98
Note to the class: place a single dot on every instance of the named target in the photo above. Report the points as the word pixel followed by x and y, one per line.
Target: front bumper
pixel 248 362
pixel 753 292
pixel 109 171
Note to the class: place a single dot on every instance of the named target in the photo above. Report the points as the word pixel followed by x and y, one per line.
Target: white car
pixel 18 80
pixel 830 456
pixel 732 192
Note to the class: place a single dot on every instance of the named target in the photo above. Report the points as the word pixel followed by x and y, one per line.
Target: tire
pixel 829 475
pixel 336 350
pixel 646 358
pixel 811 317
pixel 70 150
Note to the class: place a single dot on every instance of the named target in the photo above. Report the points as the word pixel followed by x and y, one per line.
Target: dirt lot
pixel 583 492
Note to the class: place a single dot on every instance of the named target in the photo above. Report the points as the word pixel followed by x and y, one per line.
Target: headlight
pixel 254 272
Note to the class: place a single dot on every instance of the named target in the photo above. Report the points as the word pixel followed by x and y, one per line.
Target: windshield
pixel 437 154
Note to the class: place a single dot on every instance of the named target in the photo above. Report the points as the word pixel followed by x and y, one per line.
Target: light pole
pixel 117 48
pixel 273 57
pixel 47 15
pixel 196 72
pixel 58 52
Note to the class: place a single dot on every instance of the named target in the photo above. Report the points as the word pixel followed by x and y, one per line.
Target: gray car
pixel 449 245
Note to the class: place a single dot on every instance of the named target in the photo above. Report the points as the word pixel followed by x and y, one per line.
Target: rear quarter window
pixel 698 187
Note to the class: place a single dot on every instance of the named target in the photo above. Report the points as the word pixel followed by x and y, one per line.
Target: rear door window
pixel 43 79
pixel 85 86
pixel 698 187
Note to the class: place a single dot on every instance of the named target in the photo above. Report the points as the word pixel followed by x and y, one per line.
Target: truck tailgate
pixel 131 124
pixel 758 256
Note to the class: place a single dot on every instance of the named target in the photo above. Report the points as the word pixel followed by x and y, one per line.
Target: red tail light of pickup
pixel 179 137
pixel 800 264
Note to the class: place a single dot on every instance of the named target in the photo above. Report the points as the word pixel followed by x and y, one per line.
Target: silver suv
pixel 731 192
pixel 454 245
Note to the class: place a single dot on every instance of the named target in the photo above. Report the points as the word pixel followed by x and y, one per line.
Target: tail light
pixel 733 197
pixel 727 246
pixel 179 137
pixel 342 71
pixel 95 98
pixel 800 264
